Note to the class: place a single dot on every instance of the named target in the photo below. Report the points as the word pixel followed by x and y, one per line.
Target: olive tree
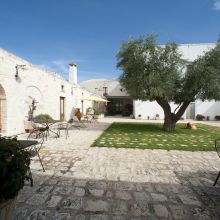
pixel 152 72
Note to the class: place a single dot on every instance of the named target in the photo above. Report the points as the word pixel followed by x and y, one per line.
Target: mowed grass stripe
pixel 151 136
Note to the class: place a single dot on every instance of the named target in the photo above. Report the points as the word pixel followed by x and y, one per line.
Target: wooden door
pixel 62 108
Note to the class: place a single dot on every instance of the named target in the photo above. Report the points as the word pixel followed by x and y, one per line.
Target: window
pixel 105 91
pixel 62 88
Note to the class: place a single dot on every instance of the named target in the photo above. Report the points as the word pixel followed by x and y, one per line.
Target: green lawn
pixel 151 136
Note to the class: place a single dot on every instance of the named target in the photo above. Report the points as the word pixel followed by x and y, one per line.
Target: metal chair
pixel 63 126
pixel 90 118
pixel 78 123
pixel 38 132
pixel 34 147
pixel 217 148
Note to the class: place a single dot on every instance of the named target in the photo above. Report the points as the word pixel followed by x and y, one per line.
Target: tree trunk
pixel 169 122
pixel 170 119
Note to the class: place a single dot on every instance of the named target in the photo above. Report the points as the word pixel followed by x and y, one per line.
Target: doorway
pixel 119 106
pixel 190 111
pixel 62 108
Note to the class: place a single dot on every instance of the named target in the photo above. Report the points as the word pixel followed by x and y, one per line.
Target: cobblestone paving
pixel 85 183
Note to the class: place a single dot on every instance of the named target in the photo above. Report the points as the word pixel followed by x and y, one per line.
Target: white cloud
pixel 60 66
pixel 216 5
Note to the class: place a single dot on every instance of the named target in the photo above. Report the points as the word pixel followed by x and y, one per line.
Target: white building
pixel 121 103
pixel 21 82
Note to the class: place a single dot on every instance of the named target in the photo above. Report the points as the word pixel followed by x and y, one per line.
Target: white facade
pixel 32 82
pixel 96 86
pixel 149 110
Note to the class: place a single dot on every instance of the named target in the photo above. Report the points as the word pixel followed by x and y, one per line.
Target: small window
pixel 72 91
pixel 105 91
pixel 62 88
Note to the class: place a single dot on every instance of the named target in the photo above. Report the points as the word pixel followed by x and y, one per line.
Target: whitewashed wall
pixel 206 108
pixel 34 82
pixel 114 87
pixel 149 109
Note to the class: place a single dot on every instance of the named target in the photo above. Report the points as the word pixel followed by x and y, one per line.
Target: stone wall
pixel 34 82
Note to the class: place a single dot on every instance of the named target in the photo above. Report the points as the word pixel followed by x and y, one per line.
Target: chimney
pixel 73 73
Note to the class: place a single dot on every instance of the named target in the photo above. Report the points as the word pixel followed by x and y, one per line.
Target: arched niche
pixel 33 92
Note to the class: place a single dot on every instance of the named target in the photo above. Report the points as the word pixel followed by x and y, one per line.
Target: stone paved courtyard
pixel 87 183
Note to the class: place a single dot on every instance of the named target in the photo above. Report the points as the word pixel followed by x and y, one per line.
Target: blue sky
pixel 54 33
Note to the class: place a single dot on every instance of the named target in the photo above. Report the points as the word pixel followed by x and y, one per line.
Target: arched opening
pixel 34 93
pixel 3 112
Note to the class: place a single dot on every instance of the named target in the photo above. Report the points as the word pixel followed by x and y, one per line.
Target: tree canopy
pixel 153 72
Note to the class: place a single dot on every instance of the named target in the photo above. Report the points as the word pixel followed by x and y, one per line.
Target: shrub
pixel 90 110
pixel 217 117
pixel 200 117
pixel 14 164
pixel 43 117
pixel 97 111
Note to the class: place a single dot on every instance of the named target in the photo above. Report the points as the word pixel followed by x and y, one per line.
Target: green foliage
pixel 200 117
pixel 43 117
pixel 150 71
pixel 14 163
pixel 202 79
pixel 97 111
pixel 89 109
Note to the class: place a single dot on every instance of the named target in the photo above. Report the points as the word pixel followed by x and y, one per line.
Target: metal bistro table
pixel 47 125
pixel 33 147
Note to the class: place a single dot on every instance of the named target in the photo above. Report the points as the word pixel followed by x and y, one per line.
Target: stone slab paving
pixel 87 183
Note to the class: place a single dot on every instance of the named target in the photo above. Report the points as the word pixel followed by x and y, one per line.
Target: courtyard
pixel 98 183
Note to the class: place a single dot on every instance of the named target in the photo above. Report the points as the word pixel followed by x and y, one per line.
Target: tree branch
pixel 177 108
pixel 165 106
pixel 181 110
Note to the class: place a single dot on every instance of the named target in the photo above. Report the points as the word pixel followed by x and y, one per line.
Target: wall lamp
pixel 17 67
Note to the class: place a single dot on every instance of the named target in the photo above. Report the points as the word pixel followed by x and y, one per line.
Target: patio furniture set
pixel 42 129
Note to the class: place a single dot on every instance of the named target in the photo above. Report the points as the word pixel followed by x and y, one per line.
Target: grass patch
pixel 151 136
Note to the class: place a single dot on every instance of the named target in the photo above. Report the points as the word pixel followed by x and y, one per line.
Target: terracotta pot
pixel 7 209
pixel 28 125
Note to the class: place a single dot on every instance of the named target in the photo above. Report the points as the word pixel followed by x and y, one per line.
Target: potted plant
pixel 28 125
pixel 43 117
pixel 139 116
pixel 98 113
pixel 14 164
pixel 200 117
pixel 157 117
